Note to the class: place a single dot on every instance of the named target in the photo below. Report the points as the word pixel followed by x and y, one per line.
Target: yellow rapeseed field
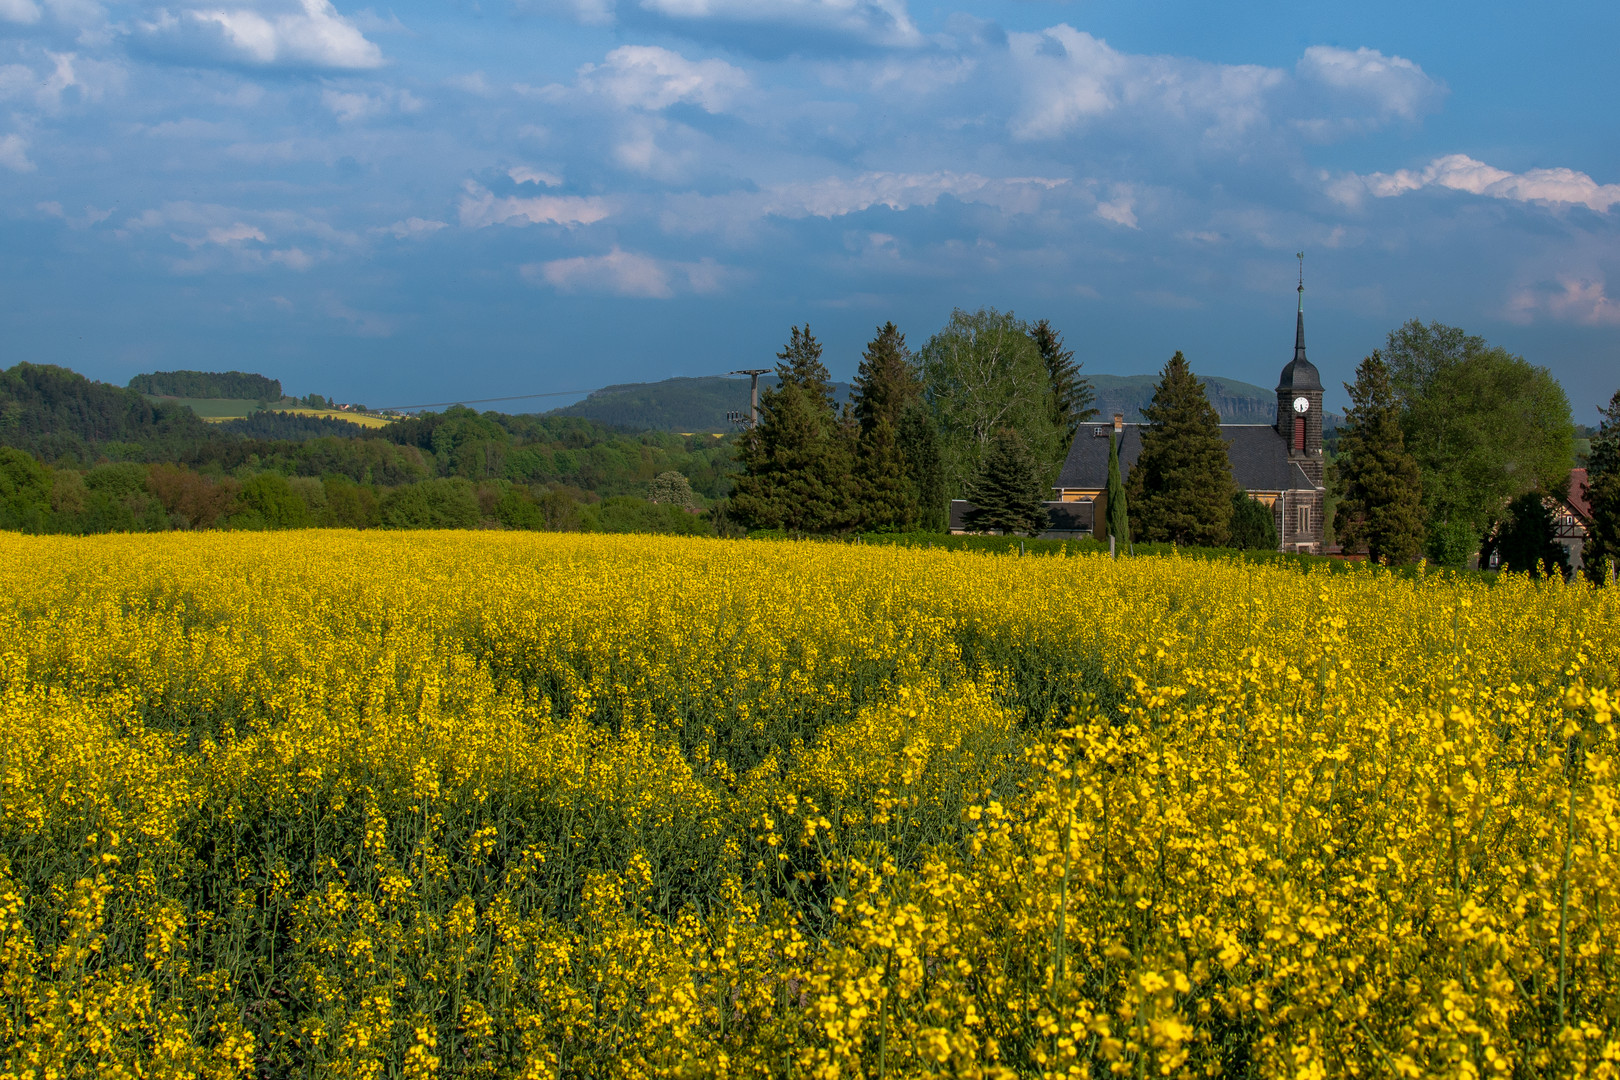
pixel 334 804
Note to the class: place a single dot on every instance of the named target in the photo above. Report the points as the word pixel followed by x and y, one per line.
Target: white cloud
pixel 91 217
pixel 523 174
pixel 481 207
pixel 234 234
pixel 25 12
pixel 350 106
pixel 230 238
pixel 1121 209
pixel 413 227
pixel 639 149
pixel 648 77
pixel 835 197
pixel 628 273
pixel 885 22
pixel 14 153
pixel 278 33
pixel 1069 77
pixel 67 71
pixel 1570 299
pixel 1393 85
pixel 1459 172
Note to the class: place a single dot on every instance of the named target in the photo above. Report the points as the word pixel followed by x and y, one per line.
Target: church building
pixel 1279 464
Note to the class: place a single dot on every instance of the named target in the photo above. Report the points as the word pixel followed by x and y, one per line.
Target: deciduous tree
pixel 1180 488
pixel 1484 425
pixel 672 489
pixel 1380 508
pixel 983 372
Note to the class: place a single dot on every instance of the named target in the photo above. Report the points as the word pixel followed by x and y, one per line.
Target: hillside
pixel 1237 402
pixel 687 405
pixel 57 414
pixel 207 384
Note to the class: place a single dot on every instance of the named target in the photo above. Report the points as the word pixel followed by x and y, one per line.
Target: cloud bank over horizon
pixel 558 189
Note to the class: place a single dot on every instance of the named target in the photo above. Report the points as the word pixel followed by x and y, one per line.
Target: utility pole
pixel 753 396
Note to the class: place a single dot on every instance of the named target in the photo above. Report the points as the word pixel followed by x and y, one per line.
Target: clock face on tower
pixel 1301 406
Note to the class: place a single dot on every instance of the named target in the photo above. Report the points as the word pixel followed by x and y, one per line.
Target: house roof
pixel 1258 453
pixel 1579 498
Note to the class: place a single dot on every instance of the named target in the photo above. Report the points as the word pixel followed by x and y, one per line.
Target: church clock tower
pixel 1299 402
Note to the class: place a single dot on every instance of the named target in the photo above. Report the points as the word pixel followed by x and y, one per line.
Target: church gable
pixel 1279 464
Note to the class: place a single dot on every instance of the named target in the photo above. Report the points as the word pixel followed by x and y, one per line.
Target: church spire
pixel 1299 324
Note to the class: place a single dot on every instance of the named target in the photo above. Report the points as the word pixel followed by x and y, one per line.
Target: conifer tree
pixel 798 462
pixel 1180 488
pixel 1602 547
pixel 925 471
pixel 1072 396
pixel 884 387
pixel 1381 502
pixel 1009 491
pixel 1119 521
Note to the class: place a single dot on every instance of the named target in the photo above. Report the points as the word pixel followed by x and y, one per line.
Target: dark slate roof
pixel 1259 457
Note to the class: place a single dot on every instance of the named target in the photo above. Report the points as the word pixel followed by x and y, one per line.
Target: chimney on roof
pixel 1119 422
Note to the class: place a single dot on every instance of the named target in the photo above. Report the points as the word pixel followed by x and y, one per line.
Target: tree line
pixel 987 398
pixel 207 384
pixel 1453 447
pixel 128 496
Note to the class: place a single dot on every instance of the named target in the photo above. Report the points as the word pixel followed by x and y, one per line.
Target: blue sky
pixel 422 202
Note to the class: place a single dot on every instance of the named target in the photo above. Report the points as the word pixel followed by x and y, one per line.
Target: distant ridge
pixel 690 405
pixel 701 404
pixel 1237 402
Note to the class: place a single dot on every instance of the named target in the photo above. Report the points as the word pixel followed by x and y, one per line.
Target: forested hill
pixel 1237 402
pixel 57 414
pixel 207 384
pixel 695 405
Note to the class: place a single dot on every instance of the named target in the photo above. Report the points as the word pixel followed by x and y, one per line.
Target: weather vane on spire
pixel 1300 255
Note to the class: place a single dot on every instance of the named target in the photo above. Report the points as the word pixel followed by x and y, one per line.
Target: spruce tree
pixel 925 471
pixel 1072 397
pixel 1380 506
pixel 1118 524
pixel 1602 547
pixel 1009 492
pixel 884 387
pixel 1180 489
pixel 798 462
